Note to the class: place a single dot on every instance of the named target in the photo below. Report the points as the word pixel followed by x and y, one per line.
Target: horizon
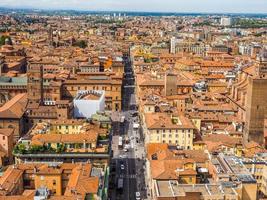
pixel 130 11
pixel 149 6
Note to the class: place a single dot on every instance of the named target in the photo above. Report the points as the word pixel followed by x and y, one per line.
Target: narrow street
pixel 128 164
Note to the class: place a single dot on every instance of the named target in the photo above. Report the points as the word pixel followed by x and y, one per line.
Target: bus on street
pixel 122 119
pixel 120 184
pixel 120 145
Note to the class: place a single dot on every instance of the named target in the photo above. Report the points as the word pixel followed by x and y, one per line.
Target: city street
pixel 133 100
pixel 128 164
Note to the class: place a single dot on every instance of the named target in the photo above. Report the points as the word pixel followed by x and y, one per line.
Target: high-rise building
pixel 256 105
pixel 226 21
pixel 50 36
pixel 172 45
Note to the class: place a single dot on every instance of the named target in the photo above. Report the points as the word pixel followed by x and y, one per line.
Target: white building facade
pixel 88 102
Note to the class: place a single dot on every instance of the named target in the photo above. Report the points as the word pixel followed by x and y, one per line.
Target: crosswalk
pixel 127 176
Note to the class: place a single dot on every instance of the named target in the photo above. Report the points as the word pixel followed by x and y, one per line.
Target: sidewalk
pixel 141 177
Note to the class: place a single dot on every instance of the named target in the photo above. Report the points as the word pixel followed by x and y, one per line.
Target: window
pixel 164 135
pixel 54 182
pixel 4 137
pixel 27 182
pixel 190 179
pixel 116 106
pixel 176 135
pixel 10 126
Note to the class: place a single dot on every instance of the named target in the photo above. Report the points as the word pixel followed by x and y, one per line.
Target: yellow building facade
pixel 51 181
pixel 180 137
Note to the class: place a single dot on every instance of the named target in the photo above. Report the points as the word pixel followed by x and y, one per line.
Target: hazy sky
pixel 233 6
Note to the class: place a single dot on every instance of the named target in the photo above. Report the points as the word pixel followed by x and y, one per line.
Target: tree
pixel 80 43
pixel 20 148
pixel 102 137
pixel 3 39
pixel 36 149
pixel 61 148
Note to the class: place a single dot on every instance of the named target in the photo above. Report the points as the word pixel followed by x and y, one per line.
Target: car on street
pixel 137 196
pixel 122 167
pixel 122 156
pixel 127 140
pixel 134 114
pixel 136 125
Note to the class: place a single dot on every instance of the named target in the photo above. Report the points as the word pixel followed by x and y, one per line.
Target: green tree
pixel 20 148
pixel 102 137
pixel 3 39
pixel 37 148
pixel 61 148
pixel 80 43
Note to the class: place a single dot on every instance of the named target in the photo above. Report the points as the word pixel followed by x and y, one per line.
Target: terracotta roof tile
pixel 14 108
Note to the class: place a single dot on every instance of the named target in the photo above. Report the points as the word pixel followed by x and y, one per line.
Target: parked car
pixel 137 196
